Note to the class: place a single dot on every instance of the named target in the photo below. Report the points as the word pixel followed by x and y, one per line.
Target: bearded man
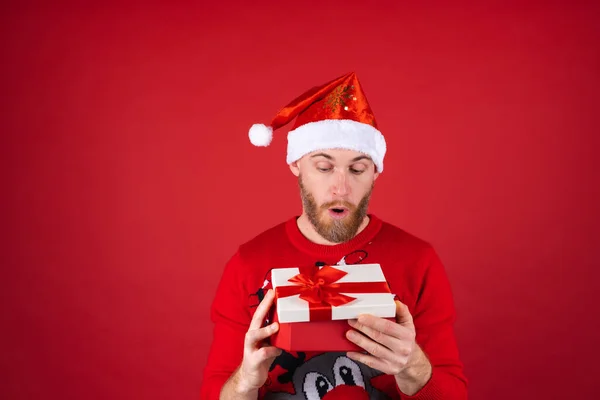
pixel 336 152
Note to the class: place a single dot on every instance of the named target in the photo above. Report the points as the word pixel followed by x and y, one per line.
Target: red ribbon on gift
pixel 319 288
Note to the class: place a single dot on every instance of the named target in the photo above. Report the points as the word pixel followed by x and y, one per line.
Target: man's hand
pixel 258 356
pixel 392 348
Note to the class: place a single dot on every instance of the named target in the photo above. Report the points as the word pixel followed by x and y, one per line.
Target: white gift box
pixel 295 309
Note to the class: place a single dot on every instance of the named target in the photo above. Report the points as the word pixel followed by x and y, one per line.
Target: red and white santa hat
pixel 335 115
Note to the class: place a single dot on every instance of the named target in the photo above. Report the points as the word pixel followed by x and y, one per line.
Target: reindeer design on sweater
pixel 327 376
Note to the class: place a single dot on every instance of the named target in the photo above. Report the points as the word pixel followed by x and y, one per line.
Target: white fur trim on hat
pixel 336 134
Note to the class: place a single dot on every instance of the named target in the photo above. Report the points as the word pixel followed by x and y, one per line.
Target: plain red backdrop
pixel 129 179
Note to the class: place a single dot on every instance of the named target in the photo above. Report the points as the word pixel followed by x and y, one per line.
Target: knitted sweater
pixel 414 273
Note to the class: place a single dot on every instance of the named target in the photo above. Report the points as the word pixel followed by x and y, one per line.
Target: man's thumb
pixel 403 316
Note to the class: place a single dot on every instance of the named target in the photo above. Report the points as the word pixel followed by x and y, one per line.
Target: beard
pixel 334 230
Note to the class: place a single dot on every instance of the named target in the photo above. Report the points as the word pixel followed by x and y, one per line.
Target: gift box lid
pixel 380 304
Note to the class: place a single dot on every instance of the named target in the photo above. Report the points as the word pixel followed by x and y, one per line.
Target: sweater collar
pixel 332 253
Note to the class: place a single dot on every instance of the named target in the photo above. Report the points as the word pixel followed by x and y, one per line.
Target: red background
pixel 128 178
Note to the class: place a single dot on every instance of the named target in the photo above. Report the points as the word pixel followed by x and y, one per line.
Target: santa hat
pixel 335 115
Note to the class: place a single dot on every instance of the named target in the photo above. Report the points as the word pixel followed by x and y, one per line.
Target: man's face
pixel 335 186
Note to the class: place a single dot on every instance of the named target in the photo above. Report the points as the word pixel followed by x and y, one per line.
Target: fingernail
pixel 351 322
pixel 274 326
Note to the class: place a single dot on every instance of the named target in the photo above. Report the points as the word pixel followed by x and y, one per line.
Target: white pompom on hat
pixel 260 135
pixel 335 115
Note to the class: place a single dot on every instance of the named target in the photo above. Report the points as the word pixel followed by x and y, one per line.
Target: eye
pixel 316 386
pixel 323 166
pixel 357 171
pixel 347 372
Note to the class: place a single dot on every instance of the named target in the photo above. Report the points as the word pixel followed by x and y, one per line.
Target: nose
pixel 347 392
pixel 340 187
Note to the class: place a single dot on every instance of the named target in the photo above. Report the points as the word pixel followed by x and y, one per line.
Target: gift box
pixel 313 304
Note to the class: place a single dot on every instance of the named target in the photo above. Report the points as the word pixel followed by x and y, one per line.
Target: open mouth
pixel 338 212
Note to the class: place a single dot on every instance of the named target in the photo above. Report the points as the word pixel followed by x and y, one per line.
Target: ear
pixel 295 168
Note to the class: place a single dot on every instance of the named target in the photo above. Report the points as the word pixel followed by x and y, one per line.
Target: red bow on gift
pixel 319 288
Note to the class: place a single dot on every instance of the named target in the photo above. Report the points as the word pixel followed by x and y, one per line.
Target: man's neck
pixel 308 230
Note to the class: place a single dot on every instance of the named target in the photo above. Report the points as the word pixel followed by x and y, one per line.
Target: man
pixel 336 152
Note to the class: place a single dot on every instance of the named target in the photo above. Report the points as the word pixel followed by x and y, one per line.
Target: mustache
pixel 338 203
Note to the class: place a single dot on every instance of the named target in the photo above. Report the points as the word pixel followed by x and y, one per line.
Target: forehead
pixel 338 155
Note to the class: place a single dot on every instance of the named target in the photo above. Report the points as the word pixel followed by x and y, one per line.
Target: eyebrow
pixel 355 159
pixel 362 157
pixel 327 156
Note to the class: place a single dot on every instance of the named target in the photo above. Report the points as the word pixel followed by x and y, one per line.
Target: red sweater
pixel 414 273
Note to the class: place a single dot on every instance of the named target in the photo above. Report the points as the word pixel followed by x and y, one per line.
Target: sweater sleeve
pixel 434 316
pixel 231 318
